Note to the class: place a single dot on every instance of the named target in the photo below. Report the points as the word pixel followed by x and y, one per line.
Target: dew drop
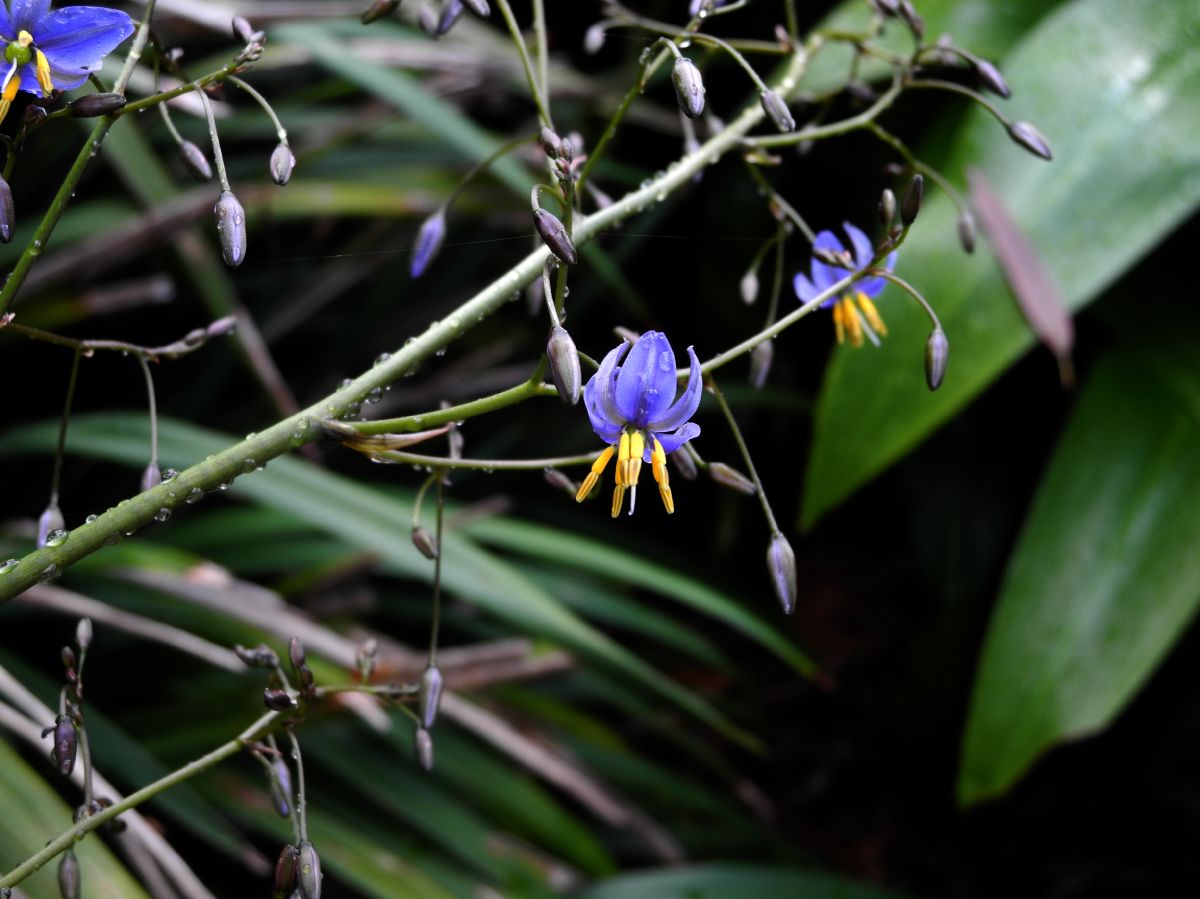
pixel 170 474
pixel 56 537
pixel 375 396
pixel 194 496
pixel 382 358
pixel 9 566
pixel 162 514
pixel 90 518
pixel 49 573
pixel 248 466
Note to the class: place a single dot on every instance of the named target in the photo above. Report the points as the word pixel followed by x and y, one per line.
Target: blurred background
pixel 986 689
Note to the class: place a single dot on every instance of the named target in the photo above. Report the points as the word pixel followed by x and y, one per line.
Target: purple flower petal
pixel 825 276
pixel 606 430
pixel 646 383
pixel 76 39
pixel 602 384
pixel 684 407
pixel 24 15
pixel 805 289
pixel 864 251
pixel 873 287
pixel 7 32
pixel 673 441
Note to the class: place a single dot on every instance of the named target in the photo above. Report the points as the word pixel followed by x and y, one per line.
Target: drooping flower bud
pixel 554 233
pixel 550 141
pixel 283 163
pixel 593 39
pixel 195 161
pixel 69 658
pixel 425 542
pixel 8 215
pixel 887 208
pixel 260 656
pixel 478 8
pixel 560 481
pixel 378 10
pixel 308 872
pixel 242 29
pixel 564 365
pixel 730 477
pixel 429 241
pixel 297 655
pixel 83 634
pixel 781 563
pixel 277 700
pixel 1030 138
pixel 90 106
pixel 428 20
pixel 285 871
pixel 231 228
pixel 450 13
pixel 966 230
pixel 69 876
pixel 151 477
pixel 689 87
pixel 761 358
pixel 777 111
pixel 748 287
pixel 281 787
pixel 423 744
pixel 66 743
pixel 937 353
pixel 910 207
pixel 430 695
pixel 365 657
pixel 50 521
pixel 684 464
pixel 912 19
pixel 990 77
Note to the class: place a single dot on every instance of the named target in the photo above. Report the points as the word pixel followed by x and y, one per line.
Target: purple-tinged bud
pixel 281 787
pixel 684 464
pixel 285 871
pixel 478 8
pixel 423 745
pixel 833 257
pixel 69 658
pixel 296 653
pixel 277 700
pixel 990 78
pixel 450 13
pixel 550 141
pixel 887 7
pixel 887 208
pixel 910 206
pixel 761 358
pixel 593 39
pixel 893 169
pixel 430 696
pixel 195 161
pixel 429 241
pixel 378 10
pixel 283 163
pixel 777 111
pixel 151 477
pixel 560 481
pixel 910 17
pixel 730 477
pixel 66 743
pixel 91 106
pixel 554 233
pixel 365 657
pixel 749 287
pixel 231 228
pixel 69 876
pixel 781 563
pixel 242 29
pixel 1030 138
pixel 49 522
pixel 937 354
pixel 8 215
pixel 260 656
pixel 564 365
pixel 83 634
pixel 425 542
pixel 966 230
pixel 428 20
pixel 308 872
pixel 689 87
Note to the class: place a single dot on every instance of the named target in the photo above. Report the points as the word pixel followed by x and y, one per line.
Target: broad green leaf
pixel 1115 86
pixel 33 814
pixel 731 881
pixel 1105 575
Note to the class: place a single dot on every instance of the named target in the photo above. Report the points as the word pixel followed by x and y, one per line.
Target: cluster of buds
pixel 436 24
pixel 904 11
pixel 254 41
pixel 304 676
pixel 298 872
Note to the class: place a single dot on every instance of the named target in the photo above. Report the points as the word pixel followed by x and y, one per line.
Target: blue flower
pixel 853 311
pixel 46 51
pixel 634 410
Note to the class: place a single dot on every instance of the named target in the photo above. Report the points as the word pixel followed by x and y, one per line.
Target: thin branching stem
pixel 301 791
pixel 280 131
pixel 215 139
pixel 745 452
pixel 61 448
pixel 153 407
pixel 535 89
pixel 435 619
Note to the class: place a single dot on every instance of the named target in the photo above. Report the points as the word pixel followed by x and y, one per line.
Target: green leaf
pixel 731 881
pixel 1098 77
pixel 1105 575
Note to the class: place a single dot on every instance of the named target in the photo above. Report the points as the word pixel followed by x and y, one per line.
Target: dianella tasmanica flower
pixel 47 50
pixel 854 309
pixel 633 408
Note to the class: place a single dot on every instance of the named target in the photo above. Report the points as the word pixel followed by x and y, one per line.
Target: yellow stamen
pixel 658 466
pixel 622 471
pixel 24 39
pixel 839 327
pixel 43 73
pixel 872 314
pixel 594 475
pixel 618 499
pixel 9 93
pixel 853 323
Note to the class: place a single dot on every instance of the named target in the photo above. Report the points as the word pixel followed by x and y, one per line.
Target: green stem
pixel 912 292
pixel 301 792
pixel 60 450
pixel 834 129
pixel 215 139
pixel 745 451
pixel 481 406
pixel 543 47
pixel 153 405
pixel 483 165
pixel 266 107
pixel 486 464
pixel 917 166
pixel 436 614
pixel 523 51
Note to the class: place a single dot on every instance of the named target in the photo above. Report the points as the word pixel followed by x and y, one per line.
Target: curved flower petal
pixel 864 250
pixel 646 383
pixel 684 407
pixel 24 15
pixel 607 430
pixel 873 287
pixel 7 32
pixel 62 80
pixel 601 384
pixel 76 39
pixel 673 441
pixel 824 276
pixel 806 290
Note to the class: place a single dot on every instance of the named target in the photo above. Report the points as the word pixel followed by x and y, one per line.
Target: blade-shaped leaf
pixel 731 881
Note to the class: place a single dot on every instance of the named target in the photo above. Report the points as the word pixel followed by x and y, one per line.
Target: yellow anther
pixel 618 499
pixel 594 475
pixel 839 327
pixel 872 314
pixel 10 91
pixel 637 449
pixel 623 459
pixel 853 322
pixel 658 466
pixel 43 73
pixel 24 39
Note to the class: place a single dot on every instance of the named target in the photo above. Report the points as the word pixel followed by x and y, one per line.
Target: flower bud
pixel 689 87
pixel 430 695
pixel 428 20
pixel 425 542
pixel 90 106
pixel 242 29
pixel 365 657
pixel 69 875
pixel 378 10
pixel 478 8
pixel 195 161
pixel 429 241
pixel 151 476
pixel 66 743
pixel 283 163
pixel 887 208
pixel 749 287
pixel 69 659
pixel 761 358
pixel 731 478
pixel 450 13
pixel 260 656
pixel 550 141
pixel 281 787
pixel 8 215
pixel 593 39
pixel 910 17
pixel 777 111
pixel 937 353
pixel 564 365
pixel 83 634
pixel 296 653
pixel 308 872
pixel 990 77
pixel 1030 138
pixel 554 233
pixel 285 871
pixel 966 230
pixel 910 206
pixel 560 481
pixel 684 464
pixel 423 744
pixel 277 700
pixel 231 228
pixel 781 563
pixel 51 520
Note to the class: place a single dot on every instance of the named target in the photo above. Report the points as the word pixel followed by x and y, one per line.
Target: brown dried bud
pixel 283 163
pixel 554 233
pixel 260 656
pixel 937 353
pixel 478 8
pixel 8 215
pixel 151 476
pixel 423 745
pixel 761 358
pixel 887 208
pixel 285 871
pixel 425 542
pixel 966 230
pixel 781 563
pixel 195 161
pixel 277 700
pixel 564 365
pixel 731 478
pixel 430 695
pixel 689 87
pixel 69 876
pixel 309 871
pixel 378 10
pixel 684 464
pixel 1030 138
pixel 910 207
pixel 90 106
pixel 777 111
pixel 231 228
